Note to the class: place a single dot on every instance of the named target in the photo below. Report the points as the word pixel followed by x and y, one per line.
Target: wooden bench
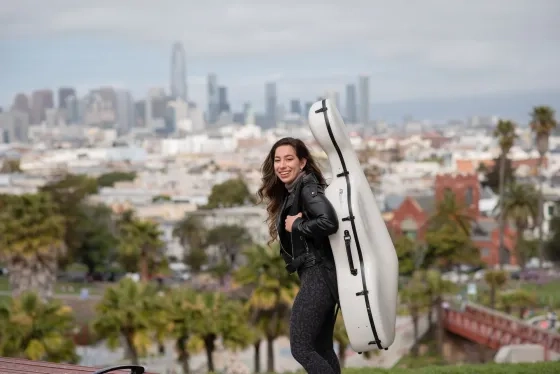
pixel 22 366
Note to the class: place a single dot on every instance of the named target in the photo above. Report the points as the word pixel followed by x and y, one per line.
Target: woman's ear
pixel 302 163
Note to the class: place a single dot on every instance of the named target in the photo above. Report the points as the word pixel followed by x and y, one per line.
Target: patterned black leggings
pixel 312 322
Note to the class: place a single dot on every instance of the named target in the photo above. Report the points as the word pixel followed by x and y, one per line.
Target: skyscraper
pixel 295 106
pixel 222 100
pixel 271 102
pixel 63 94
pixel 351 104
pixel 213 99
pixel 178 72
pixel 363 84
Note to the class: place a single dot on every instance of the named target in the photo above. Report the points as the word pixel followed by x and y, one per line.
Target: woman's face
pixel 286 164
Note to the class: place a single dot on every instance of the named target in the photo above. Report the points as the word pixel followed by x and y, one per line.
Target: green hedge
pixel 540 368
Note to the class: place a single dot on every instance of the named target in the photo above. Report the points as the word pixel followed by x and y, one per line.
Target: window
pixel 409 228
pixel 411 234
pixel 485 252
pixel 469 196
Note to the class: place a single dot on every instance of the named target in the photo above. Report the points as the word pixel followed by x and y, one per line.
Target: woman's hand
pixel 290 221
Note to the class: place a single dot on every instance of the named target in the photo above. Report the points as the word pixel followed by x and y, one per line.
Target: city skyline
pixel 407 62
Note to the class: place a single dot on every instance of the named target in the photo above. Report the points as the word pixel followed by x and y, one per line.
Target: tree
pixel 192 235
pixel 31 240
pixel 542 124
pixel 126 311
pixel 231 240
pixel 505 133
pixel 406 250
pixel 438 287
pixel 414 295
pixel 233 192
pixel 496 279
pixel 519 204
pixel 273 292
pixel 222 317
pixel 140 246
pixel 492 176
pixel 552 246
pixel 341 337
pixel 182 314
pixel 10 166
pixel 449 246
pixel 109 179
pixel 450 211
pixel 37 330
pixel 97 240
pixel 69 192
pixel 519 299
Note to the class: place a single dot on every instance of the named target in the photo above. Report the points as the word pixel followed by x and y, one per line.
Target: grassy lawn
pixel 547 294
pixel 541 368
pixel 60 287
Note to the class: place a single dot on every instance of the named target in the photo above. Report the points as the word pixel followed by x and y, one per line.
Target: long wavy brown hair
pixel 273 190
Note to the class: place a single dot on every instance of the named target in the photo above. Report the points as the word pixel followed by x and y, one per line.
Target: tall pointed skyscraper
pixel 178 72
pixel 363 91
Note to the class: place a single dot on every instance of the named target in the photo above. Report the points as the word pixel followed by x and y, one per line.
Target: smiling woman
pixel 301 218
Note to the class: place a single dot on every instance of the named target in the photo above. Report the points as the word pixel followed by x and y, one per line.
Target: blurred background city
pixel 131 140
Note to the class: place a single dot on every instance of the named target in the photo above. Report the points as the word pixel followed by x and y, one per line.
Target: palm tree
pixel 222 318
pixel 414 295
pixel 36 330
pixel 140 245
pixel 192 235
pixel 273 293
pixel 519 204
pixel 438 288
pixel 341 337
pixel 449 246
pixel 450 210
pixel 505 133
pixel 496 279
pixel 182 313
pixel 127 311
pixel 31 241
pixel 542 124
pixel 518 298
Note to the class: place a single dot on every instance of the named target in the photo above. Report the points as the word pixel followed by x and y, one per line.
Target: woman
pixel 301 218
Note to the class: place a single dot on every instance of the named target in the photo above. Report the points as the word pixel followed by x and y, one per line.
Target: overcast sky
pixel 411 49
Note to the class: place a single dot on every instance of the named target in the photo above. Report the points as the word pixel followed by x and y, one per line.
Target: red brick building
pixel 411 216
pixel 465 187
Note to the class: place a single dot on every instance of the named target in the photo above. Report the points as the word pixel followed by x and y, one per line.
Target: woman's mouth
pixel 285 174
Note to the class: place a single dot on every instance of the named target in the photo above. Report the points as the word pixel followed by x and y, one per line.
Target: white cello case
pixel 368 277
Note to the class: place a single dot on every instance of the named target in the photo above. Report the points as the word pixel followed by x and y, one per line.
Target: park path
pixel 62 296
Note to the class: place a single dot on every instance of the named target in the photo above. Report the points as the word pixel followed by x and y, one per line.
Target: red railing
pixel 495 329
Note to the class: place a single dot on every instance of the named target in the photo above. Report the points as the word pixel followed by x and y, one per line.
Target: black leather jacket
pixel 308 243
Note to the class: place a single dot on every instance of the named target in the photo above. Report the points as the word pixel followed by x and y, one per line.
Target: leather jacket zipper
pixel 282 247
pixel 292 241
